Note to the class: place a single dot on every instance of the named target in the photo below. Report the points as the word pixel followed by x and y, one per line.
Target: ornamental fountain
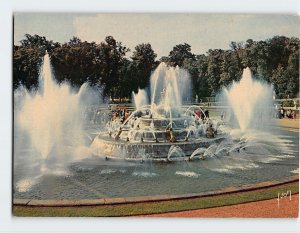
pixel 62 152
pixel 161 127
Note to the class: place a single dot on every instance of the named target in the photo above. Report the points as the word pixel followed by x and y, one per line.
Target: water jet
pixel 164 123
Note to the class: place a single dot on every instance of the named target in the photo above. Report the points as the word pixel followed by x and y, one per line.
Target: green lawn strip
pixel 156 207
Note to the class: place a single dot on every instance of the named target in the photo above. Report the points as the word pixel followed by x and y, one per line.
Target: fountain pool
pixel 58 154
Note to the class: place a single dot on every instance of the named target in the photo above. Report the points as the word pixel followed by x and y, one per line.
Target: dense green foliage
pixel 275 60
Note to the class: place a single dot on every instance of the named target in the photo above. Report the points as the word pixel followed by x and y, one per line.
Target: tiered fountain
pixel 165 125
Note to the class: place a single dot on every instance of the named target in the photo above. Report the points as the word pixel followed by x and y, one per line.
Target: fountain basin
pixel 107 146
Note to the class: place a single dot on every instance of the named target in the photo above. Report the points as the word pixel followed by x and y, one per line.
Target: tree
pixel 215 58
pixel 27 59
pixel 278 78
pixel 198 70
pixel 143 62
pixel 127 80
pixel 75 62
pixel 275 60
pixel 39 42
pixel 179 53
pixel 26 64
pixel 111 56
pixel 230 68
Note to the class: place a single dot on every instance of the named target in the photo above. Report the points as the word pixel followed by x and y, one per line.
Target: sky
pixel 162 31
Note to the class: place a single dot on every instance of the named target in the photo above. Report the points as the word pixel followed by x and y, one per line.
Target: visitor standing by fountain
pixel 281 112
pixel 206 113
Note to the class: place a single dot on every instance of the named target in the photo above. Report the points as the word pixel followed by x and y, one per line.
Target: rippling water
pixel 95 177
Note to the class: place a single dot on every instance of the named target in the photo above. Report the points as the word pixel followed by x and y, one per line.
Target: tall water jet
pixel 140 99
pixel 250 100
pixel 91 95
pixel 166 123
pixel 170 87
pixel 51 118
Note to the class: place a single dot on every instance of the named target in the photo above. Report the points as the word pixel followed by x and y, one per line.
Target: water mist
pixel 251 101
pixel 48 126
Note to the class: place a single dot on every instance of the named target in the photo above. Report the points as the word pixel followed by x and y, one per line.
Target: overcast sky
pixel 162 31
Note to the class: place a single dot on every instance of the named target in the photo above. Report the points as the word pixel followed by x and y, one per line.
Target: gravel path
pixel 260 209
pixel 289 123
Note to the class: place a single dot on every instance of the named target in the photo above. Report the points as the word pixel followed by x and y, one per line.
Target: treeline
pixel 274 60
